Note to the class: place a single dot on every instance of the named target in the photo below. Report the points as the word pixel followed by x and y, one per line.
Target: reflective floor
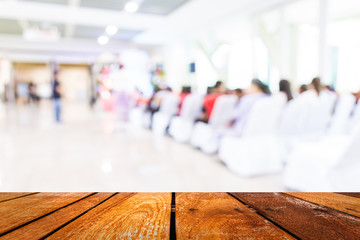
pixel 91 150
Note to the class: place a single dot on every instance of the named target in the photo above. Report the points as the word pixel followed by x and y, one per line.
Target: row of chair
pixel 315 146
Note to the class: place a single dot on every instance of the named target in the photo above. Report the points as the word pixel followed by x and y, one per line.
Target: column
pixel 323 41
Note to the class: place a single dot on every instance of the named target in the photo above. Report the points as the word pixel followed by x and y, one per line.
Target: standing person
pixel 57 97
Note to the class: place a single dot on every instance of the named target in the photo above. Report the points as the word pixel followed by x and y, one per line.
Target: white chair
pixel 293 121
pixel 168 108
pixel 293 118
pixel 319 116
pixel 341 118
pixel 344 176
pixel 265 116
pixel 257 151
pixel 181 126
pixel 305 118
pixel 191 107
pixel 223 110
pixel 330 164
pixel 355 118
pixel 204 135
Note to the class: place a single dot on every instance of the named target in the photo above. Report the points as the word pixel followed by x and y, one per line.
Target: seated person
pixel 33 97
pixel 303 88
pixel 239 93
pixel 255 92
pixel 357 96
pixel 285 87
pixel 316 86
pixel 186 91
pixel 155 101
pixel 209 101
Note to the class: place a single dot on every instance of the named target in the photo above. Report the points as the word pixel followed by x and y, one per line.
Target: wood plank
pixel 124 216
pixel 357 195
pixel 336 201
pixel 304 219
pixel 6 196
pixel 20 211
pixel 50 223
pixel 220 216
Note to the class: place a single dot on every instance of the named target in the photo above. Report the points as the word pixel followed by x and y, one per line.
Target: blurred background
pixel 179 95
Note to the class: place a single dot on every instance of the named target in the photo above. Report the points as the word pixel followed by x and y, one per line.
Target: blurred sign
pixel 36 34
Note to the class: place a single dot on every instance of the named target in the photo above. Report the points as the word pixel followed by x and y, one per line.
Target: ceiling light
pixel 103 40
pixel 106 167
pixel 111 30
pixel 131 7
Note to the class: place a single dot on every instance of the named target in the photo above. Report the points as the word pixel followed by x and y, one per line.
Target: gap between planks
pixel 268 219
pixel 20 196
pixel 67 223
pixel 173 217
pixel 47 214
pixel 296 214
pixel 342 203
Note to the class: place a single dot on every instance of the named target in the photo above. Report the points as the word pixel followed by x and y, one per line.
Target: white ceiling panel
pixel 161 7
pixel 61 2
pixel 104 4
pixel 94 32
pixel 88 32
pixel 158 7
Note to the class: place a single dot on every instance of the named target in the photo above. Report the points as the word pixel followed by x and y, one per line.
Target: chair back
pixel 340 120
pixel 351 155
pixel 320 115
pixel 224 108
pixel 293 118
pixel 191 107
pixel 264 116
pixel 355 118
pixel 307 115
pixel 169 104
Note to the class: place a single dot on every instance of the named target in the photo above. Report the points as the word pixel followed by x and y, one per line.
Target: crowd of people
pixel 246 99
pixel 245 120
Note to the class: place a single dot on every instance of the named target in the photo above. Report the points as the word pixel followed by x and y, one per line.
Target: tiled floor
pixel 93 151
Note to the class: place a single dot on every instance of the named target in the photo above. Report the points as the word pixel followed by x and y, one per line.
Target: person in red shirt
pixel 186 91
pixel 209 101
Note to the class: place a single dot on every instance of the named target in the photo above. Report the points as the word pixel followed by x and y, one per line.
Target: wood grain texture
pixel 124 216
pixel 220 216
pixel 336 201
pixel 20 211
pixel 46 225
pixel 6 196
pixel 304 219
pixel 357 195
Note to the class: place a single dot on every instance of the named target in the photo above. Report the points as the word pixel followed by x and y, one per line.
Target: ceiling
pixel 81 22
pixel 71 29
pixel 159 7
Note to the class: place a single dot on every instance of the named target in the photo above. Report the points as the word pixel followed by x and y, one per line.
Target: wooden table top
pixel 180 215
